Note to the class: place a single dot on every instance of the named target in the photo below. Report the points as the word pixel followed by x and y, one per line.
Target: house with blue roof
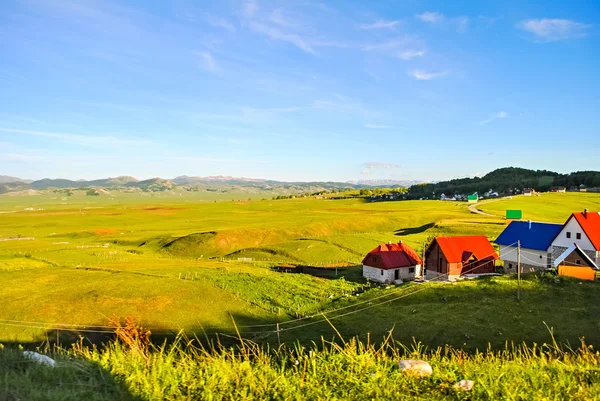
pixel 536 240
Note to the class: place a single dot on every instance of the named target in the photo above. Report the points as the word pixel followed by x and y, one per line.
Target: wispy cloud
pixel 249 8
pixel 495 116
pixel 280 17
pixel 371 167
pixel 404 48
pixel 380 24
pixel 340 103
pixel 83 140
pixel 277 34
pixel 377 126
pixel 549 30
pixel 208 62
pixel 221 23
pixel 17 157
pixel 426 76
pixel 459 23
pixel 431 17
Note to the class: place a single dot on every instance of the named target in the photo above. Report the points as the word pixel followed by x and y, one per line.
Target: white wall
pixel 528 256
pixel 374 274
pixel 573 227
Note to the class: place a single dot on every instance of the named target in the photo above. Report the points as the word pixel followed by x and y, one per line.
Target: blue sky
pixel 297 90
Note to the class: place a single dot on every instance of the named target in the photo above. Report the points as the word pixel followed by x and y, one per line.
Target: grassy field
pixel 350 371
pixel 179 262
pixel 173 262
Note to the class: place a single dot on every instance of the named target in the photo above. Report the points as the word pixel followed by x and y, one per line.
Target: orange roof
pixel 392 256
pixel 461 249
pixel 590 223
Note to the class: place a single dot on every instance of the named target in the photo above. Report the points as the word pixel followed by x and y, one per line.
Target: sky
pixel 297 90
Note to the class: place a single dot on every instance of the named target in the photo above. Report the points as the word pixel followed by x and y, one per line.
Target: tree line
pixel 509 180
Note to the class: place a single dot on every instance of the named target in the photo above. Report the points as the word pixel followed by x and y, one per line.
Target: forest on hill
pixel 507 180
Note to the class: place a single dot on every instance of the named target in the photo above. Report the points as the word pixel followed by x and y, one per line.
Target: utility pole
pixel 519 270
pixel 423 265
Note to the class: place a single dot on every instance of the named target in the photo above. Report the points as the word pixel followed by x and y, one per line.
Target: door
pixel 396 274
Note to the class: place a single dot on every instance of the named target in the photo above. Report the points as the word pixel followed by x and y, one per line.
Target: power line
pixel 85 328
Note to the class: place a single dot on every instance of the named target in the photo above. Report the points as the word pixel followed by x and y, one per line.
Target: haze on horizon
pixel 297 90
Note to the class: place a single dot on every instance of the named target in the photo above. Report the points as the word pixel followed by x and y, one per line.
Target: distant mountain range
pixel 502 180
pixel 4 179
pixel 223 183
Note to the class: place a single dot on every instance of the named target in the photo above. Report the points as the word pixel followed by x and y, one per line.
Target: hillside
pixel 508 180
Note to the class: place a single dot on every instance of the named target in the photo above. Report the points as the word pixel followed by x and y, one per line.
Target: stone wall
pixel 555 252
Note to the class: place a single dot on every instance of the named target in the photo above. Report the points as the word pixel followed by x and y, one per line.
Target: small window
pixel 568 234
pixel 540 256
pixel 382 272
pixel 578 235
pixel 510 265
pixel 411 269
pixel 578 262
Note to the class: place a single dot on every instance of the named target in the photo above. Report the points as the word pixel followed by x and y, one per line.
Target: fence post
pixel 278 338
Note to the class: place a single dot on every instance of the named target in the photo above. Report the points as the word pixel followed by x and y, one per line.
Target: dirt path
pixel 473 209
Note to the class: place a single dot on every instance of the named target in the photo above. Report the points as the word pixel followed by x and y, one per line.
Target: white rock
pixel 465 385
pixel 39 358
pixel 415 367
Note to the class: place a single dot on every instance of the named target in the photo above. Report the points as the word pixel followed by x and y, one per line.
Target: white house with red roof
pixel 392 263
pixel 582 229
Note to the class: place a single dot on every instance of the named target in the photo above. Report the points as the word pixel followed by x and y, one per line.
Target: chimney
pixel 529 221
pixel 585 211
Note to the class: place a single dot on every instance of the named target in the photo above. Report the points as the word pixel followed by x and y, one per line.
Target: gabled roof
pixel 461 249
pixel 580 252
pixel 590 223
pixel 533 235
pixel 392 256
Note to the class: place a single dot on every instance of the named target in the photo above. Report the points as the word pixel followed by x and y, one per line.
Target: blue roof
pixel 532 235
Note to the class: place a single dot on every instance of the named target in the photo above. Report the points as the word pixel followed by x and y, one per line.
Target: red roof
pixel 461 249
pixel 392 256
pixel 590 223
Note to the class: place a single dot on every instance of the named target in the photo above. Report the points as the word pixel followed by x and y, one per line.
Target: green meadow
pixel 178 261
pixel 201 273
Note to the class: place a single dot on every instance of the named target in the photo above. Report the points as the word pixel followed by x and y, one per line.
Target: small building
pixel 528 191
pixel 558 189
pixel 392 263
pixel 582 188
pixel 535 240
pixel 451 257
pixel 575 262
pixel 583 229
pixel 473 198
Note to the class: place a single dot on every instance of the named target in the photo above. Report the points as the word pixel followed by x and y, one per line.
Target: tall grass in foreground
pixel 328 371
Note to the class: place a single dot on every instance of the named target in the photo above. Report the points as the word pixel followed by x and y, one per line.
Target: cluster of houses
pixel 573 248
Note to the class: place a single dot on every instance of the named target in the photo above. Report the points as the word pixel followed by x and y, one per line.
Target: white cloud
pixel 377 126
pixel 458 23
pixel 221 23
pixel 426 76
pixel 84 140
pixel 279 17
pixel 410 54
pixel 554 29
pixel 276 34
pixel 431 17
pixel 461 23
pixel 208 62
pixel 249 8
pixel 404 48
pixel 380 24
pixel 371 167
pixel 495 116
